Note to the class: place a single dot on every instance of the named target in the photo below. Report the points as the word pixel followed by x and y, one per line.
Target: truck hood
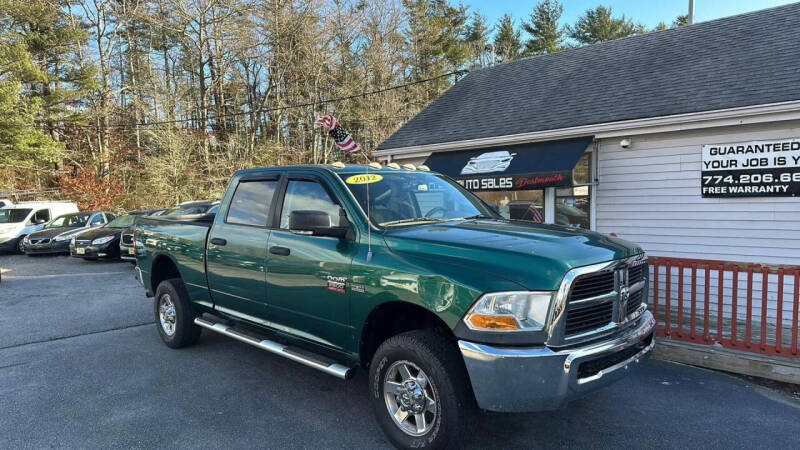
pixel 533 255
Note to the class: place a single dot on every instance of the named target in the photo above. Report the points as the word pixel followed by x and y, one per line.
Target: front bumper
pixel 51 247
pixel 94 251
pixel 513 379
pixel 125 252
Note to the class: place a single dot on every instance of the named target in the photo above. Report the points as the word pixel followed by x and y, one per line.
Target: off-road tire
pixel 186 332
pixel 441 361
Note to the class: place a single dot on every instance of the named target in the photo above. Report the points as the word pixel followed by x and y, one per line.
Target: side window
pixel 307 195
pixel 250 203
pixel 97 219
pixel 42 215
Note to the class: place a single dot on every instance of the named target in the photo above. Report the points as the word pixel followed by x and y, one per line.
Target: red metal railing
pixel 712 311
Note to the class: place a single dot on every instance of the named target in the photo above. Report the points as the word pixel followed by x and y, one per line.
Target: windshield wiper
pixel 415 219
pixel 476 216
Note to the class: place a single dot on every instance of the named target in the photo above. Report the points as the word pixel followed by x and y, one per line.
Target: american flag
pixel 342 139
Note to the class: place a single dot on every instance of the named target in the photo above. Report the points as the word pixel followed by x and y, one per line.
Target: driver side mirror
pixel 317 223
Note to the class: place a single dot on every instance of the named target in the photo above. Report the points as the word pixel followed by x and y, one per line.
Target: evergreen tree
pixel 507 41
pixel 599 25
pixel 476 37
pixel 546 35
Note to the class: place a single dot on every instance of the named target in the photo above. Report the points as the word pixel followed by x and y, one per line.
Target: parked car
pixel 56 234
pixel 127 250
pixel 24 218
pixel 102 242
pixel 5 203
pixel 189 208
pixel 447 305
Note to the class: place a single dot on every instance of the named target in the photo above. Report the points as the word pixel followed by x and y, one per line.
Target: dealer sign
pixel 752 169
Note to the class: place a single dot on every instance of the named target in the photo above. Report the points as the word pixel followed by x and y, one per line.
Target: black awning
pixel 522 166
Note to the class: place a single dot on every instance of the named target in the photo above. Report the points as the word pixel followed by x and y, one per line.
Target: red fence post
pixel 680 299
pixel 667 299
pixel 748 332
pixel 694 300
pixel 794 310
pixel 764 283
pixel 720 303
pixel 779 320
pixel 734 303
pixel 706 305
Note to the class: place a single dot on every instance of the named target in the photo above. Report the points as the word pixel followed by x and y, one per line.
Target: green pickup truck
pixel 401 271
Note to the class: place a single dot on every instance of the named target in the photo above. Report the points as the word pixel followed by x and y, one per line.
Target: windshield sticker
pixel 365 178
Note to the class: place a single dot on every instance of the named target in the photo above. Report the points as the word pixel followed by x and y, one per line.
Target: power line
pixel 276 108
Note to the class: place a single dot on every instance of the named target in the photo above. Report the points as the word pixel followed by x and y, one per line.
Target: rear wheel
pixel 420 392
pixel 174 314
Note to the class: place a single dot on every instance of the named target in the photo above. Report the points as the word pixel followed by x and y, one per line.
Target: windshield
pixel 186 210
pixel 122 221
pixel 408 198
pixel 69 220
pixel 15 215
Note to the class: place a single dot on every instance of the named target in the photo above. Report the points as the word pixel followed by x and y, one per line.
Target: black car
pixel 101 242
pixel 56 234
pixel 126 251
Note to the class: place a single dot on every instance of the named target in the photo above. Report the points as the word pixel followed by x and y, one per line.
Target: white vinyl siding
pixel 650 194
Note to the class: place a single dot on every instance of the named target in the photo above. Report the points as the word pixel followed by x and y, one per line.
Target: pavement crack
pixel 59 338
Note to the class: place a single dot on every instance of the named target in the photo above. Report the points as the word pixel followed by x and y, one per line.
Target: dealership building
pixel 685 141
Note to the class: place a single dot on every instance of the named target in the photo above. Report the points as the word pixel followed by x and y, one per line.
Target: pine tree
pixel 598 25
pixel 546 35
pixel 507 41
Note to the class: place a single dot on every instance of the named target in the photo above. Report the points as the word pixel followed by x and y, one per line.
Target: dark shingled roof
pixel 749 59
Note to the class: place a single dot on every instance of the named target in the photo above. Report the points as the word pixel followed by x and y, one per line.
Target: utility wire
pixel 276 108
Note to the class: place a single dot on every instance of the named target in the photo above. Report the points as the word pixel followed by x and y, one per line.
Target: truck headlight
pixel 510 311
pixel 103 240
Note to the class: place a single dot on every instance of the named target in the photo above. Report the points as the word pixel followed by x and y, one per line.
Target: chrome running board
pixel 295 354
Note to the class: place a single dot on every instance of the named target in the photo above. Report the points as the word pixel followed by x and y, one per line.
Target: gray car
pixel 55 235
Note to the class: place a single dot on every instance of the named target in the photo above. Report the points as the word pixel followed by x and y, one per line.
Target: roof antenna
pixel 369 219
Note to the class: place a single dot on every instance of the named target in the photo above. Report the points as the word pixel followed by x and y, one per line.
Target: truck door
pixel 237 250
pixel 308 276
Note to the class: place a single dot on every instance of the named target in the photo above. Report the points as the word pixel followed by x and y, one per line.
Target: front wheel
pixel 175 315
pixel 420 392
pixel 21 245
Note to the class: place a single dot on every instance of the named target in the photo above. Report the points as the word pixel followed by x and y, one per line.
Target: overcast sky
pixel 647 12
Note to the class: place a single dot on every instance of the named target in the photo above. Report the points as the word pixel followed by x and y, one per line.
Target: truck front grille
pixel 636 273
pixel 581 318
pixel 634 301
pixel 592 285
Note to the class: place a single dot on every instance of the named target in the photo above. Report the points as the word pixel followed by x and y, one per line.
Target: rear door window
pixel 250 203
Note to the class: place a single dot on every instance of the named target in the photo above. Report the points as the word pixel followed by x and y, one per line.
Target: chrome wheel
pixel 166 314
pixel 410 398
pixel 21 245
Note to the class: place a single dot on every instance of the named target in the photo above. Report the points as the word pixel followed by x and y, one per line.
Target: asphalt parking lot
pixel 82 366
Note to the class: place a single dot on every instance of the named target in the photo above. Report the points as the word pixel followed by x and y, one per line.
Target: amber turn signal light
pixel 493 322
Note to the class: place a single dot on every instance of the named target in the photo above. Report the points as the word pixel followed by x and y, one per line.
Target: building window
pixel 573 204
pixel 516 205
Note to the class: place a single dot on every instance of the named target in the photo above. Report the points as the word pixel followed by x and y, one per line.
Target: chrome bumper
pixel 513 379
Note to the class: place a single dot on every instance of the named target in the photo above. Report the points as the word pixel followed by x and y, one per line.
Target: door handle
pixel 283 251
pixel 218 241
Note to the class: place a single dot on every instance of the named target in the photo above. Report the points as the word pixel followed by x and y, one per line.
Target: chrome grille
pixel 636 273
pixel 582 318
pixel 82 242
pixel 592 285
pixel 634 301
pixel 39 241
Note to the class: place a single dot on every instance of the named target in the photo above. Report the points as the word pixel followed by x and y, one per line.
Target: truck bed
pixel 181 238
